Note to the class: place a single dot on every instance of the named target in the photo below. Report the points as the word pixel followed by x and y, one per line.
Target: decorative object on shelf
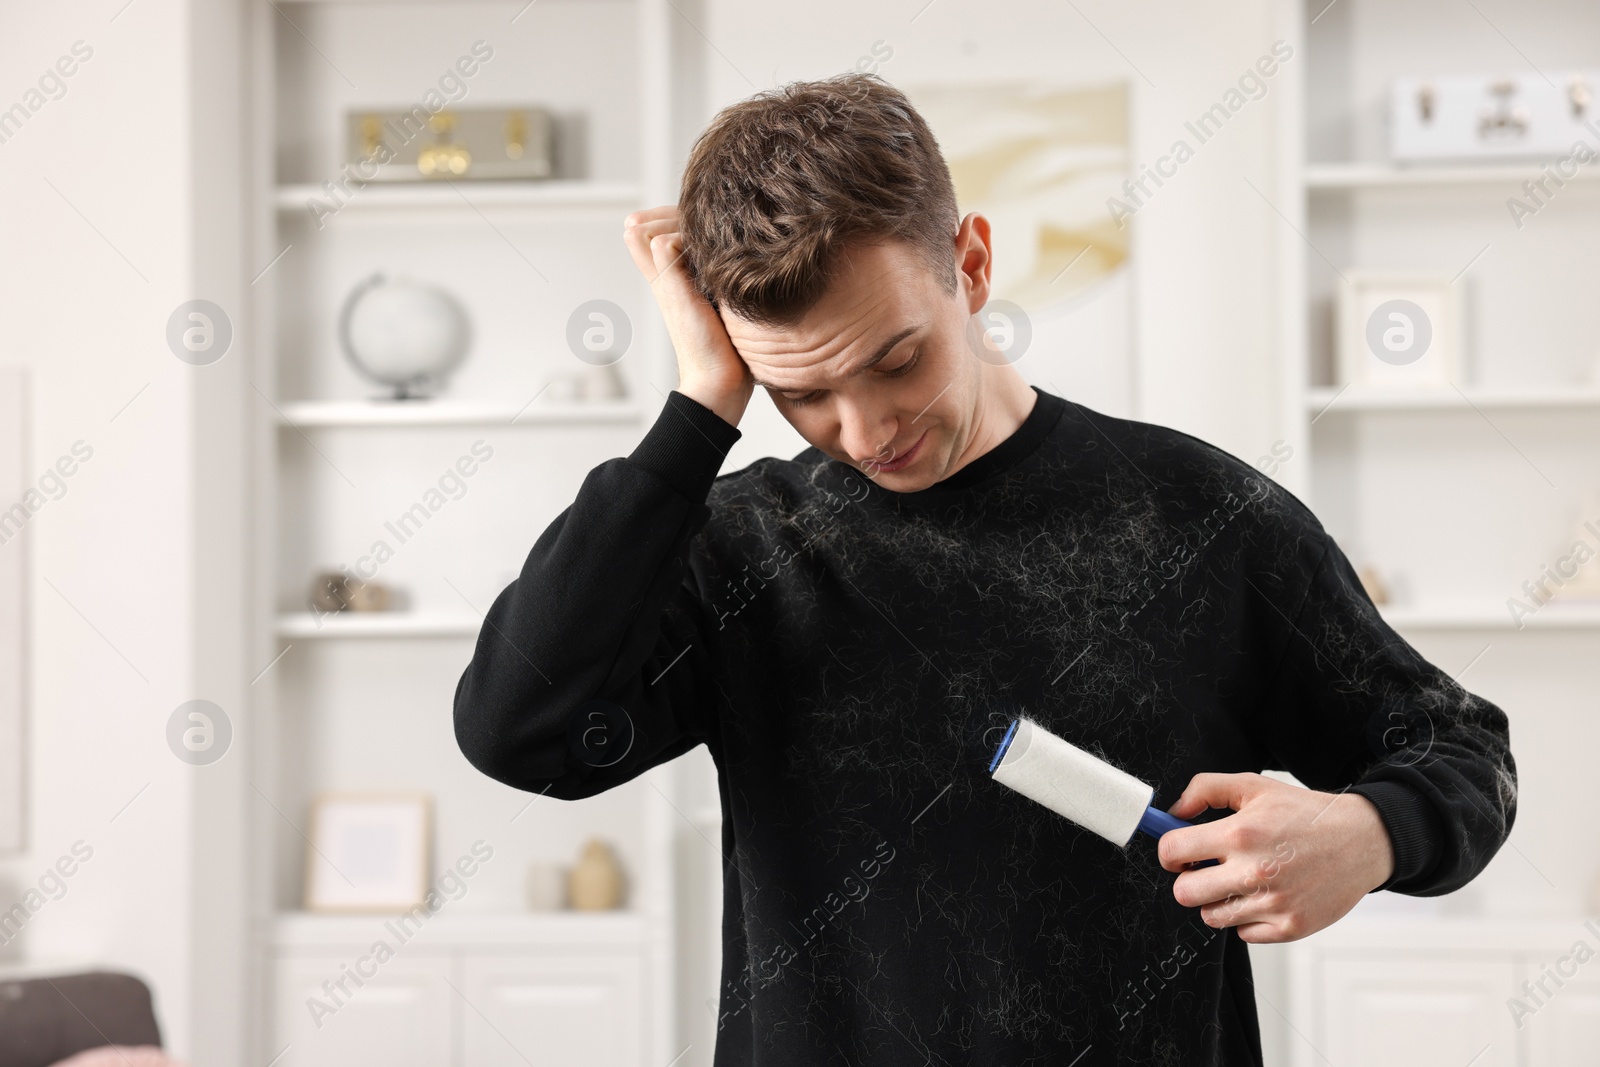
pixel 327 593
pixel 332 591
pixel 367 596
pixel 562 388
pixel 1372 581
pixel 403 334
pixel 596 881
pixel 443 157
pixel 368 852
pixel 1478 118
pixel 1577 566
pixel 1398 330
pixel 602 383
pixel 547 886
pixel 472 143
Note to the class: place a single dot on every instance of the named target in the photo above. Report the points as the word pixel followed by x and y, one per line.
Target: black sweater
pixel 851 655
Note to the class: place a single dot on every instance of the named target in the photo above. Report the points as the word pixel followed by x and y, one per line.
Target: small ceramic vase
pixel 595 883
pixel 547 887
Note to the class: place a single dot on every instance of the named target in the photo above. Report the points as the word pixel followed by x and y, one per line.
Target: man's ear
pixel 974 261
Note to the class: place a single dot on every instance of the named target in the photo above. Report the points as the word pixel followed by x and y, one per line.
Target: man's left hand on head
pixel 1292 860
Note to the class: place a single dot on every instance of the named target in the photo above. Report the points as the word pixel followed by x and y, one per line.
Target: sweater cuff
pixel 686 446
pixel 1416 832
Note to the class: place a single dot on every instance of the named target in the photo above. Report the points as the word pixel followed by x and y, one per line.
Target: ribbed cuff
pixel 1415 830
pixel 686 446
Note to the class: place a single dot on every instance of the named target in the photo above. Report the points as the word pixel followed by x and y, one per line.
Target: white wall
pixel 116 208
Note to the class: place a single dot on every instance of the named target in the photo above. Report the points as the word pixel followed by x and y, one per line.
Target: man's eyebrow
pixel 882 354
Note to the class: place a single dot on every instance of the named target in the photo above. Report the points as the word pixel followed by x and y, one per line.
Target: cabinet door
pixel 1565 1030
pixel 400 1017
pixel 552 1011
pixel 1417 1012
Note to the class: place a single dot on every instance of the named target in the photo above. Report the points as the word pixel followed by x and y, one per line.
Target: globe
pixel 403 334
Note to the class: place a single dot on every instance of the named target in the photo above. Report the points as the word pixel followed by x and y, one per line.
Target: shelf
pixel 554 195
pixel 307 626
pixel 1340 176
pixel 1556 615
pixel 21 970
pixel 1334 401
pixel 300 929
pixel 1445 933
pixel 323 414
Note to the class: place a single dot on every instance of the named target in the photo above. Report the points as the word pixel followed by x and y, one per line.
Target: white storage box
pixel 1492 118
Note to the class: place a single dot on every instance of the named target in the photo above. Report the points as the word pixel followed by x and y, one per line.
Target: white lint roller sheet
pixel 1078 786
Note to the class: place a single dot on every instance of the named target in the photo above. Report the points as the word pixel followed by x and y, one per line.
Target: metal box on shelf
pixel 467 143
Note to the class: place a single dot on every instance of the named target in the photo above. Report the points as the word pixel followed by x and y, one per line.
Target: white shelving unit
pixel 1457 496
pixel 364 700
pixel 1508 447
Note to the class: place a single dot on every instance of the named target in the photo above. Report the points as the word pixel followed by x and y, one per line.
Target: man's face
pixel 881 373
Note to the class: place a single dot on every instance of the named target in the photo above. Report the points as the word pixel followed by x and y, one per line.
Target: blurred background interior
pixel 243 576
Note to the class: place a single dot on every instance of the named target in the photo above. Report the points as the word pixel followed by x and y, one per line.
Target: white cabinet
pixel 480 991
pixel 1447 991
pixel 553 1011
pixel 460 1009
pixel 1428 1012
pixel 400 1017
pixel 1565 1030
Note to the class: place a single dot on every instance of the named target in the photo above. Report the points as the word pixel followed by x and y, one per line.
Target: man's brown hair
pixel 778 184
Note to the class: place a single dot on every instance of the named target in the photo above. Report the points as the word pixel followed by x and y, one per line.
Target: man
pixel 849 633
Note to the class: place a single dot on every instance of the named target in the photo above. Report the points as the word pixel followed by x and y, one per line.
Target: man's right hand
pixel 710 371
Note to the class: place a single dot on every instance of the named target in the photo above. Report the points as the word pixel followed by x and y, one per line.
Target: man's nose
pixel 867 432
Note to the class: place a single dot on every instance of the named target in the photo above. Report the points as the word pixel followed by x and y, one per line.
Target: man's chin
pixel 919 475
pixel 906 485
pixel 923 470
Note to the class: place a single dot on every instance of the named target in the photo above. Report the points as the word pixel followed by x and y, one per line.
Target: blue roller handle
pixel 1156 822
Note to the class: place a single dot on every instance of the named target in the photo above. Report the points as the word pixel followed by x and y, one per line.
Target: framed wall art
pixel 368 852
pixel 1399 330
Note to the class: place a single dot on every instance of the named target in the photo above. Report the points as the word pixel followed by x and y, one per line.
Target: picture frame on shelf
pixel 1399 330
pixel 368 852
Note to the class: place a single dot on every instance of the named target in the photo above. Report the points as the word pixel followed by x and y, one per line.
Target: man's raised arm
pixel 591 666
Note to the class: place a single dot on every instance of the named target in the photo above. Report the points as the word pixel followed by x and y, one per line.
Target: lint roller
pixel 1082 787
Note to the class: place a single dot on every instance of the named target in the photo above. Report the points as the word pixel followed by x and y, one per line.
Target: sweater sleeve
pixel 590 667
pixel 1354 707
